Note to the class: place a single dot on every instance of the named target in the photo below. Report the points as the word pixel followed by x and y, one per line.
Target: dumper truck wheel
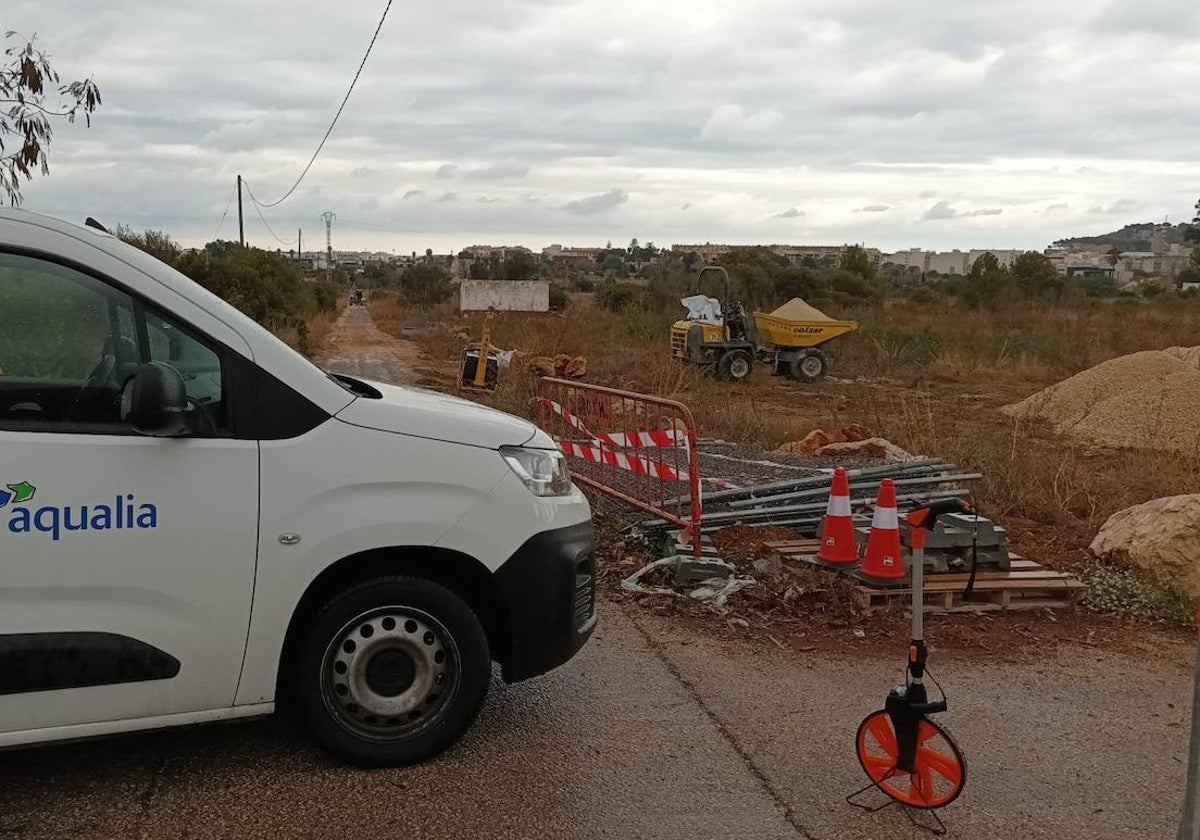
pixel 809 367
pixel 735 365
pixel 393 671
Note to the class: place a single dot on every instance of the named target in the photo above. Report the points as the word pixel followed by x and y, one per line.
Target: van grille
pixel 585 592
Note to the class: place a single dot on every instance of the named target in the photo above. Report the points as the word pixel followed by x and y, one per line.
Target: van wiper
pixel 355 386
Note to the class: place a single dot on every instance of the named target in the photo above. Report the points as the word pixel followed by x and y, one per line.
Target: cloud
pixel 447 197
pixel 941 210
pixel 1114 208
pixel 734 121
pixel 790 213
pixel 487 199
pixel 596 203
pixel 500 171
pixel 944 210
pixel 1170 18
pixel 565 100
pixel 414 194
pixel 873 208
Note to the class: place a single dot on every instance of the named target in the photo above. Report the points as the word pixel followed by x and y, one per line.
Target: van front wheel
pixel 393 671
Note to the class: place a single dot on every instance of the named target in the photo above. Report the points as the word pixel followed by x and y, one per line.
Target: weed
pixel 1116 589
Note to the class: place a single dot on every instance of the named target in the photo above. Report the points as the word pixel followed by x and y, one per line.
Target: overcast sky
pixel 973 123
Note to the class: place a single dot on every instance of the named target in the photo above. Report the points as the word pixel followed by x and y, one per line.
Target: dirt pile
pixel 1161 536
pixel 561 365
pixel 812 443
pixel 1146 400
pixel 853 441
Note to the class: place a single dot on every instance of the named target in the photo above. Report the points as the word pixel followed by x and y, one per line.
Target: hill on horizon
pixel 1135 237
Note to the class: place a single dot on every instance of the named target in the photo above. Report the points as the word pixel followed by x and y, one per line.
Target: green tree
pixel 27 80
pixel 480 270
pixel 519 265
pixel 988 284
pixel 425 284
pixel 1036 277
pixel 855 260
pixel 156 243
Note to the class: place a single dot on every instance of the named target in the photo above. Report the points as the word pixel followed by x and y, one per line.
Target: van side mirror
pixel 155 401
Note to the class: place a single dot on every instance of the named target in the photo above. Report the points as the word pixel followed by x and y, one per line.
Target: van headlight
pixel 544 471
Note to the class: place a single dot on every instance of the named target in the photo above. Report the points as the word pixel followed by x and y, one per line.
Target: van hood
pixel 428 414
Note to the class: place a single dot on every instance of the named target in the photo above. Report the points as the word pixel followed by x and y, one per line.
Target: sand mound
pixel 798 309
pixel 1146 400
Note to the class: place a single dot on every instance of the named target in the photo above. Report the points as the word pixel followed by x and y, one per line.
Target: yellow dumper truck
pixel 790 339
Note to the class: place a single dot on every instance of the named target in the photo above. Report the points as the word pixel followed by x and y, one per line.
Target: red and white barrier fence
pixel 633 447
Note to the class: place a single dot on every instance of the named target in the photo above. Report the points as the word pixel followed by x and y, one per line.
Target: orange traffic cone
pixel 838 545
pixel 883 562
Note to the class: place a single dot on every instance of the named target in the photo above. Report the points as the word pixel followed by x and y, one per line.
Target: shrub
pixel 619 297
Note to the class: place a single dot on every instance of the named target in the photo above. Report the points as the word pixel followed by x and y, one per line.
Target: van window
pixel 67 345
pixel 197 363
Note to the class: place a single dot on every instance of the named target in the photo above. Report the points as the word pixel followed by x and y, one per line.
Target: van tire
pixel 393 671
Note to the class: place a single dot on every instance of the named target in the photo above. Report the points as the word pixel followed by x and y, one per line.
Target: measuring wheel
pixel 907 756
pixel 939 770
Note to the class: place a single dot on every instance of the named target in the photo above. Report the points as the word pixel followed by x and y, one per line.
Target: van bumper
pixel 548 587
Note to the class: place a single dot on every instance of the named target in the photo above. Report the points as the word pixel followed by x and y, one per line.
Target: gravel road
pixel 356 347
pixel 651 734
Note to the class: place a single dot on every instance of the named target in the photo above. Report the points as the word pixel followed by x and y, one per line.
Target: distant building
pixel 948 262
pixel 795 254
pixel 708 252
pixel 1091 271
pixel 578 258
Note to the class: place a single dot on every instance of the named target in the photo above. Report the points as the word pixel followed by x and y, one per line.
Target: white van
pixel 198 524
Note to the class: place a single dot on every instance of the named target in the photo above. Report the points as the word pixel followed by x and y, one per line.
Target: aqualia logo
pixel 124 514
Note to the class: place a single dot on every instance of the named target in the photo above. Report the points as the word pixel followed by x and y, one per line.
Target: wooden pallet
pixel 1026 585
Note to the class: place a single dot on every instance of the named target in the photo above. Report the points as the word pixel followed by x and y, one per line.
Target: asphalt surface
pixel 647 734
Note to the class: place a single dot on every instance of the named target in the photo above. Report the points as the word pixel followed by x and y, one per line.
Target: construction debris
pixel 874 448
pixel 542 366
pixel 1161 536
pixel 562 365
pixel 715 590
pixel 1145 400
pixel 817 439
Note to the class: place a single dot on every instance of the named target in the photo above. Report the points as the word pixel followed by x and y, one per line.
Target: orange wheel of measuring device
pixel 939 770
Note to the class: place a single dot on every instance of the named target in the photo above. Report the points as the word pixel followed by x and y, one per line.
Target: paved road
pixel 650 735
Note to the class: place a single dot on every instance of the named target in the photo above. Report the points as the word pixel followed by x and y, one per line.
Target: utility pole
pixel 328 217
pixel 241 224
pixel 299 245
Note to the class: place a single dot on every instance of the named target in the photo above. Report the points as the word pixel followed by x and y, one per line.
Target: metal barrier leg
pixel 1189 823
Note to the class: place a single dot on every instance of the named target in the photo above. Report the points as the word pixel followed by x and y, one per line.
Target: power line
pixel 228 204
pixel 267 226
pixel 329 131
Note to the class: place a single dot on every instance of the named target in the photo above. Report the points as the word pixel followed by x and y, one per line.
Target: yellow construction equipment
pixel 480 364
pixel 790 339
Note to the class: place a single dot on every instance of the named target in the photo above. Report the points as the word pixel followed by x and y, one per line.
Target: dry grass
pixel 1025 342
pixel 308 336
pixel 949 372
